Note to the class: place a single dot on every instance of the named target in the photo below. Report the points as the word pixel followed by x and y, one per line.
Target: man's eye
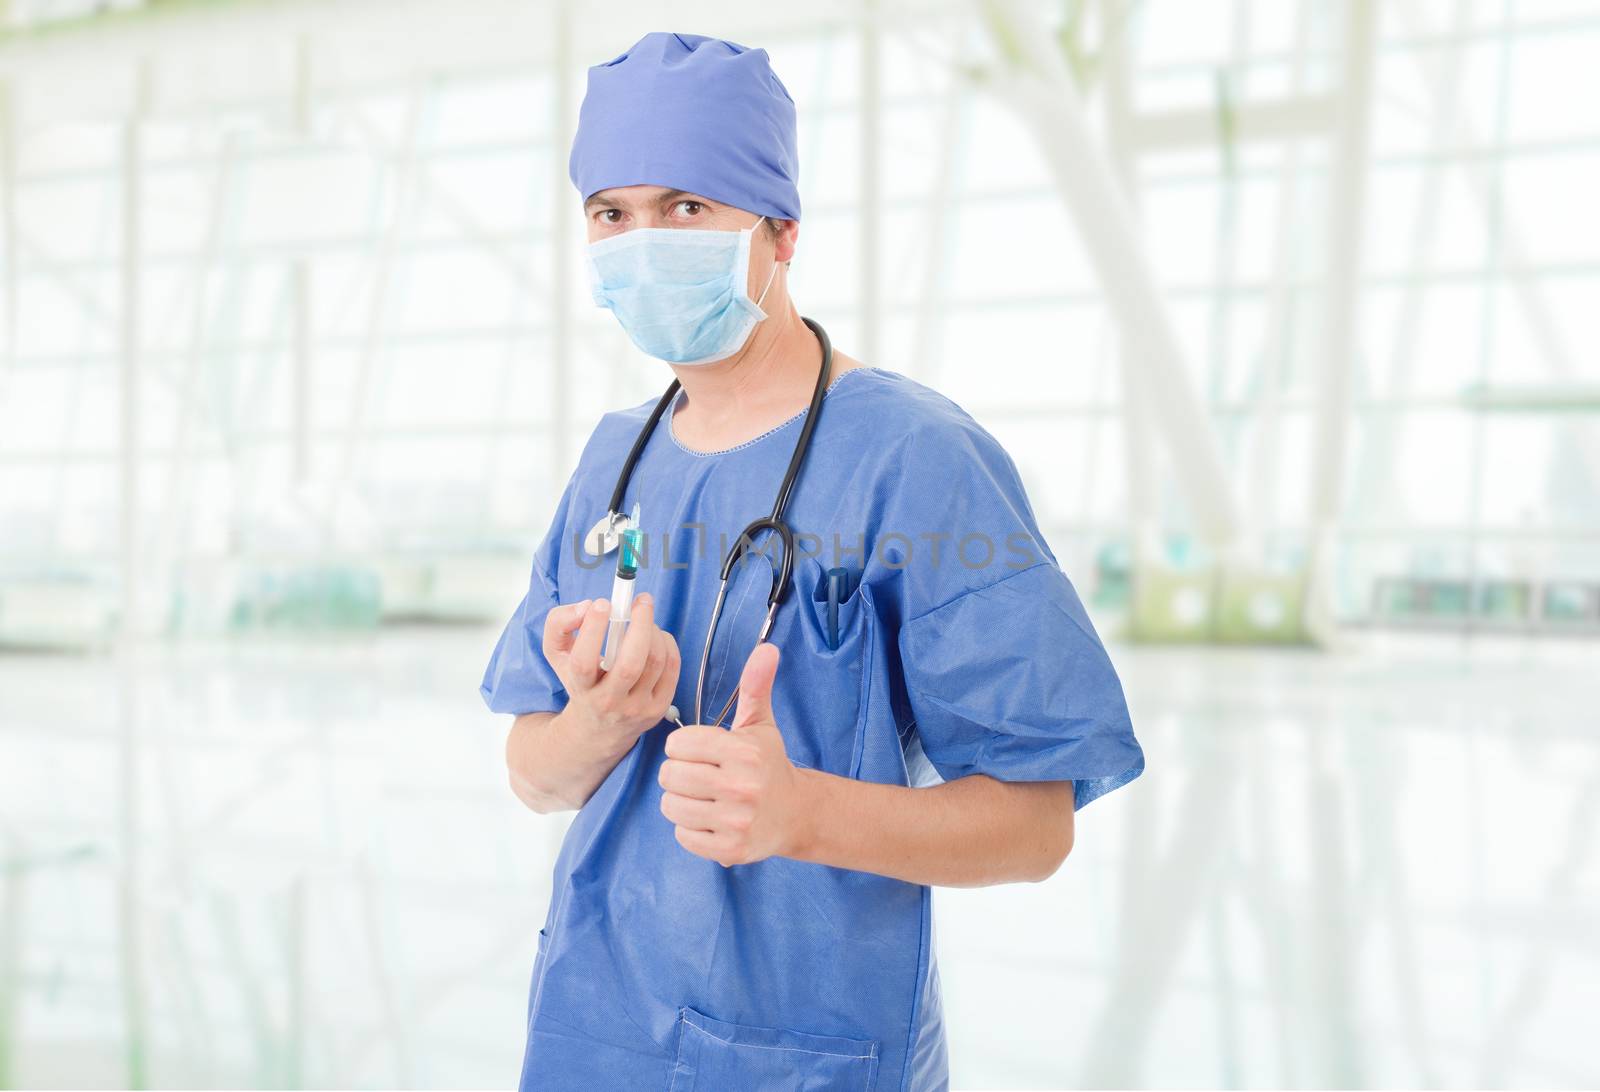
pixel 607 212
pixel 695 205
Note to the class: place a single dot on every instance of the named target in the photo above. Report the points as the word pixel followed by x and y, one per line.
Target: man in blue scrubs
pixel 748 906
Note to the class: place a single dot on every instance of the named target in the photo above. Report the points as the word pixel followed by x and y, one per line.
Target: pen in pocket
pixel 836 592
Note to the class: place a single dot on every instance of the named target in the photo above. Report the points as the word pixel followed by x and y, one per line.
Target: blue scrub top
pixel 962 648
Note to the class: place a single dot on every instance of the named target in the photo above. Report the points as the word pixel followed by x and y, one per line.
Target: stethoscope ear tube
pixel 705 656
pixel 780 583
pixel 617 494
pixel 803 444
pixel 746 541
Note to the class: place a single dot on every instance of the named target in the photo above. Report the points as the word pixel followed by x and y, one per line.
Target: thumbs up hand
pixel 733 795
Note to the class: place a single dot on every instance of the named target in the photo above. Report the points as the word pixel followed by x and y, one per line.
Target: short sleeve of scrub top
pixel 1004 673
pixel 518 678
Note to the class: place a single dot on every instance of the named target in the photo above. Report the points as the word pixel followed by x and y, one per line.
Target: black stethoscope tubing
pixel 746 541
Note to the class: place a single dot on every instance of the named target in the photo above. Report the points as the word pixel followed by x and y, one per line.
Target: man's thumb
pixel 755 686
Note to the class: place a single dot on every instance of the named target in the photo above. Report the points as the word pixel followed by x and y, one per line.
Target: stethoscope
pixel 605 535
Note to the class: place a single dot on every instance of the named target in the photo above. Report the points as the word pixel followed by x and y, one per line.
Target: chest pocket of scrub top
pixel 837 669
pixel 714 1056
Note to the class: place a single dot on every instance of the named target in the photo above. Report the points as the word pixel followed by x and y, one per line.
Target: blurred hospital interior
pixel 1285 309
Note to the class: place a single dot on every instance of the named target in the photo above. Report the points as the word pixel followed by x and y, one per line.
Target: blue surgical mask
pixel 679 292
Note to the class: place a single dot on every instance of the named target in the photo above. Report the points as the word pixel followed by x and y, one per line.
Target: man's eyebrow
pixel 669 195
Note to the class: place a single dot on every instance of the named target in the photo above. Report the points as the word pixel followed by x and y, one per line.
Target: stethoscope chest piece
pixel 606 535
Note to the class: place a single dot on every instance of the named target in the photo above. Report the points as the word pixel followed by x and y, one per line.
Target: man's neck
pixel 761 386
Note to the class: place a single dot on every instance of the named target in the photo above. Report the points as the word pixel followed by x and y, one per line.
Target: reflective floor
pixel 275 864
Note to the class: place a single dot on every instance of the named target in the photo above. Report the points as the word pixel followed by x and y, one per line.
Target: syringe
pixel 622 591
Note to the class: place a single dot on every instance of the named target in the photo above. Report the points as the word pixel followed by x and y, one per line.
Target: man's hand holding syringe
pixel 557 760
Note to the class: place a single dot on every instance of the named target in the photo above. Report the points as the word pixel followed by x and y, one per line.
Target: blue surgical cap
pixel 692 113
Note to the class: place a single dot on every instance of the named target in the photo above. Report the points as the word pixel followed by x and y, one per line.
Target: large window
pixel 347 286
